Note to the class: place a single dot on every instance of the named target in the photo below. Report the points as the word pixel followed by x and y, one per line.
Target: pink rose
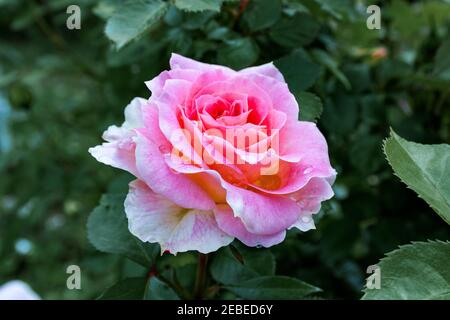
pixel 218 154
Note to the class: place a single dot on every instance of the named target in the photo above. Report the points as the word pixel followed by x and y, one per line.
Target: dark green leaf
pixel 107 229
pixel 327 61
pixel 296 31
pixel 261 14
pixel 310 106
pixel 336 8
pixel 261 260
pixel 273 287
pixel 298 70
pixel 335 107
pixel 367 153
pixel 238 53
pixel 442 60
pixel 127 289
pixel 227 269
pixel 158 290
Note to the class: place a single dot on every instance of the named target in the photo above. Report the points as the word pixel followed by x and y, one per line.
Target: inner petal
pixel 214 106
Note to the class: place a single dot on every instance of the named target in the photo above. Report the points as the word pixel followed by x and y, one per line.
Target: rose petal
pixel 234 227
pixel 261 213
pixel 179 62
pixel 156 85
pixel 119 149
pixel 115 155
pixel 282 99
pixel 268 70
pixel 258 101
pixel 153 170
pixel 153 218
pixel 310 199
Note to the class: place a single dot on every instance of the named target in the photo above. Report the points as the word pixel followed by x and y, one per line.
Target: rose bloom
pixel 218 154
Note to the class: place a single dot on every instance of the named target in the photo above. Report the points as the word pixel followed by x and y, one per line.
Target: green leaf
pixel 298 70
pixel 336 8
pixel 273 287
pixel 327 61
pixel 105 9
pixel 337 105
pixel 418 271
pixel 127 289
pixel 261 14
pixel 198 5
pixel 158 290
pixel 310 106
pixel 107 229
pixel 407 21
pixel 424 168
pixel 238 53
pixel 132 19
pixel 227 269
pixel 260 260
pixel 296 31
pixel 442 60
pixel 366 152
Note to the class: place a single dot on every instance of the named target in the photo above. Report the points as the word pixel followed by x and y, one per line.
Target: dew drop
pixel 306 219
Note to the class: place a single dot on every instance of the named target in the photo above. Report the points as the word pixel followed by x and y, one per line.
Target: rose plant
pixel 61 88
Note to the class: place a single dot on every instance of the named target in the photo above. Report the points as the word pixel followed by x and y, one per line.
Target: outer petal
pixel 153 218
pixel 116 154
pixel 156 85
pixel 262 214
pixel 304 223
pixel 303 142
pixel 179 62
pixel 268 70
pixel 309 199
pixel 234 227
pixel 133 113
pixel 119 149
pixel 153 170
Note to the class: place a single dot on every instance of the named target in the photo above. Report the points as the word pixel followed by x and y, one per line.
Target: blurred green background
pixel 61 88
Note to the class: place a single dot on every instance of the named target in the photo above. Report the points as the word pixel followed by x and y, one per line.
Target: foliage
pixel 418 271
pixel 60 88
pixel 107 229
pixel 425 169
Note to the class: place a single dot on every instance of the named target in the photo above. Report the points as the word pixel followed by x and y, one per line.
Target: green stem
pixel 200 280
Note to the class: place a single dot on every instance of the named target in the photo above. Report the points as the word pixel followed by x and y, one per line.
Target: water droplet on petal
pixel 306 219
pixel 307 170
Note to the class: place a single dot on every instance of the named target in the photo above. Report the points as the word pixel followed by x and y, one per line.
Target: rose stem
pixel 201 275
